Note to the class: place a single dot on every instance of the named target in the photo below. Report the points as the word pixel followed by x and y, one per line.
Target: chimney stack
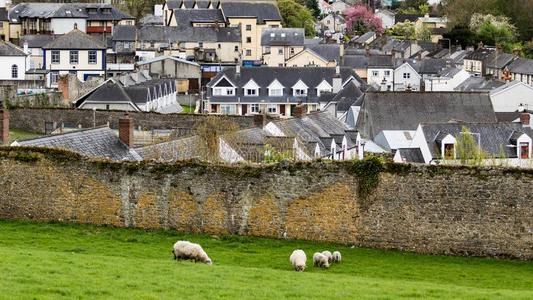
pixel 524 119
pixel 4 125
pixel 125 130
pixel 337 80
pixel 260 120
pixel 300 111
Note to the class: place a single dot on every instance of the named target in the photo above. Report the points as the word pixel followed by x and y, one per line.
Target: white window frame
pixel 14 71
pixel 387 73
pixel 406 75
pixel 54 77
pixel 93 57
pixel 254 108
pixel 275 92
pixel 272 108
pixel 251 92
pixel 55 54
pixel 375 73
pixel 227 109
pixel 74 57
pixel 300 92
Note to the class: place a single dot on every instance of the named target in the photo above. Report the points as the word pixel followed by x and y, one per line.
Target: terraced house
pixel 273 90
pixel 251 17
pixel 74 53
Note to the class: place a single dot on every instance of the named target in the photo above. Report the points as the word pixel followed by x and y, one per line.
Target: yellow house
pixel 308 58
pixel 280 44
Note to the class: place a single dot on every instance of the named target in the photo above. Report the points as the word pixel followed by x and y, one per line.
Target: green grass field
pixel 52 261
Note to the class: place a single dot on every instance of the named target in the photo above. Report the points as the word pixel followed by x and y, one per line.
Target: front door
pixel 244 109
pixel 282 109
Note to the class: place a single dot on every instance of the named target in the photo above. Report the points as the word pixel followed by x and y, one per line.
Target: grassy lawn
pixel 52 261
pixel 188 109
pixel 18 135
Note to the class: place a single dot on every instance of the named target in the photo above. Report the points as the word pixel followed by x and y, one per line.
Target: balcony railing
pixel 98 29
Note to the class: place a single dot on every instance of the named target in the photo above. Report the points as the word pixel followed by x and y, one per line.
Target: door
pixel 244 109
pixel 282 109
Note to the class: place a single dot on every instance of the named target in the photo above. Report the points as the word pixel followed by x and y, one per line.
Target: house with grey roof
pixel 74 53
pixel 318 135
pixel 273 90
pixel 497 62
pixel 14 62
pixel 522 69
pixel 476 61
pixel 479 84
pixel 280 44
pixel 406 76
pixel 380 72
pixel 132 92
pixel 513 96
pixel 60 18
pixel 4 27
pixel 403 111
pixel 447 79
pixel 250 17
pixel 507 144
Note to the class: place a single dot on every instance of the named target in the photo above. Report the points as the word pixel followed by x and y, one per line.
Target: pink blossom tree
pixel 360 19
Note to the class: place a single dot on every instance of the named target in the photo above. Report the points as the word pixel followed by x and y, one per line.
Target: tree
pixel 138 8
pixel 297 15
pixel 312 5
pixel 493 29
pixel 359 19
pixel 468 149
pixel 414 7
pixel 404 30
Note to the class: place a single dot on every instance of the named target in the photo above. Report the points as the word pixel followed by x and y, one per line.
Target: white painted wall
pixel 65 25
pixel 6 62
pixel 444 84
pixel 401 83
pixel 379 76
pixel 508 100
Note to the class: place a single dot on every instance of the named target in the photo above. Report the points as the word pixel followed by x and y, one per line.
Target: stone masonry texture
pixel 437 210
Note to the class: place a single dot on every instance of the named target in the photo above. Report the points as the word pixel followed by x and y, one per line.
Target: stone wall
pixel 34 119
pixel 439 210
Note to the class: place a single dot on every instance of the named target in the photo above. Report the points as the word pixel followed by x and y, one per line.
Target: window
pixel 248 39
pixel 406 75
pixel 250 92
pixel 272 108
pixel 449 151
pixel 54 76
pixel 292 51
pixel 254 108
pixel 387 73
pixel 274 26
pixel 223 91
pixel 229 92
pixel 300 92
pixel 92 57
pixel 129 22
pixel 73 57
pixel 375 73
pixel 219 46
pixel 200 44
pixel 55 57
pixel 275 92
pixel 524 150
pixel 152 45
pixel 14 71
pixel 228 109
pixel 248 27
pixel 236 48
pixel 248 52
pixel 280 51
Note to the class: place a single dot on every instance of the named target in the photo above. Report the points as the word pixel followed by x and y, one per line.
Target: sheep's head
pixel 208 261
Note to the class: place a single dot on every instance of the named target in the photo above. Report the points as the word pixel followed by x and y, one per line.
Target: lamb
pixel 320 260
pixel 337 257
pixel 190 251
pixel 298 260
pixel 328 255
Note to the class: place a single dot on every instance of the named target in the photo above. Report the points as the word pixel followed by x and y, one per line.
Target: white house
pixel 511 97
pixel 447 80
pixel 74 53
pixel 380 72
pixel 13 62
pixel 507 144
pixel 387 17
pixel 406 78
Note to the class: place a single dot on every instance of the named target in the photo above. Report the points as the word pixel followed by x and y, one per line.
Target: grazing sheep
pixel 190 251
pixel 337 257
pixel 320 260
pixel 298 260
pixel 328 255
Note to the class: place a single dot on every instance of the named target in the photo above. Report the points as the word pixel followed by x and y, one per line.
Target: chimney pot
pixel 125 130
pixel 524 119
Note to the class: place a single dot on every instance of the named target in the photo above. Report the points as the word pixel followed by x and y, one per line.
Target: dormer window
pixel 524 150
pixel 251 89
pixel 449 151
pixel 300 92
pixel 250 92
pixel 275 89
pixel 300 89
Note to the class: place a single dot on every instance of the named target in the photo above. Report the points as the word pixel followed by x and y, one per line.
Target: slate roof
pixel 125 33
pixel 287 76
pixel 263 11
pixel 363 61
pixel 350 95
pixel 101 142
pixel 282 37
pixel 37 40
pixel 494 137
pixel 411 155
pixel 400 18
pixel 180 149
pixel 185 17
pixel 190 34
pixel 499 60
pixel 250 143
pixel 99 11
pixel 404 110
pixel 522 66
pixel 330 52
pixel 365 37
pixel 480 54
pixel 479 84
pixel 8 49
pixel 151 20
pixel 75 39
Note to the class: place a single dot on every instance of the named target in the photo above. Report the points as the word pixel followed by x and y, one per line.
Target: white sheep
pixel 320 260
pixel 190 251
pixel 328 255
pixel 337 257
pixel 298 260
